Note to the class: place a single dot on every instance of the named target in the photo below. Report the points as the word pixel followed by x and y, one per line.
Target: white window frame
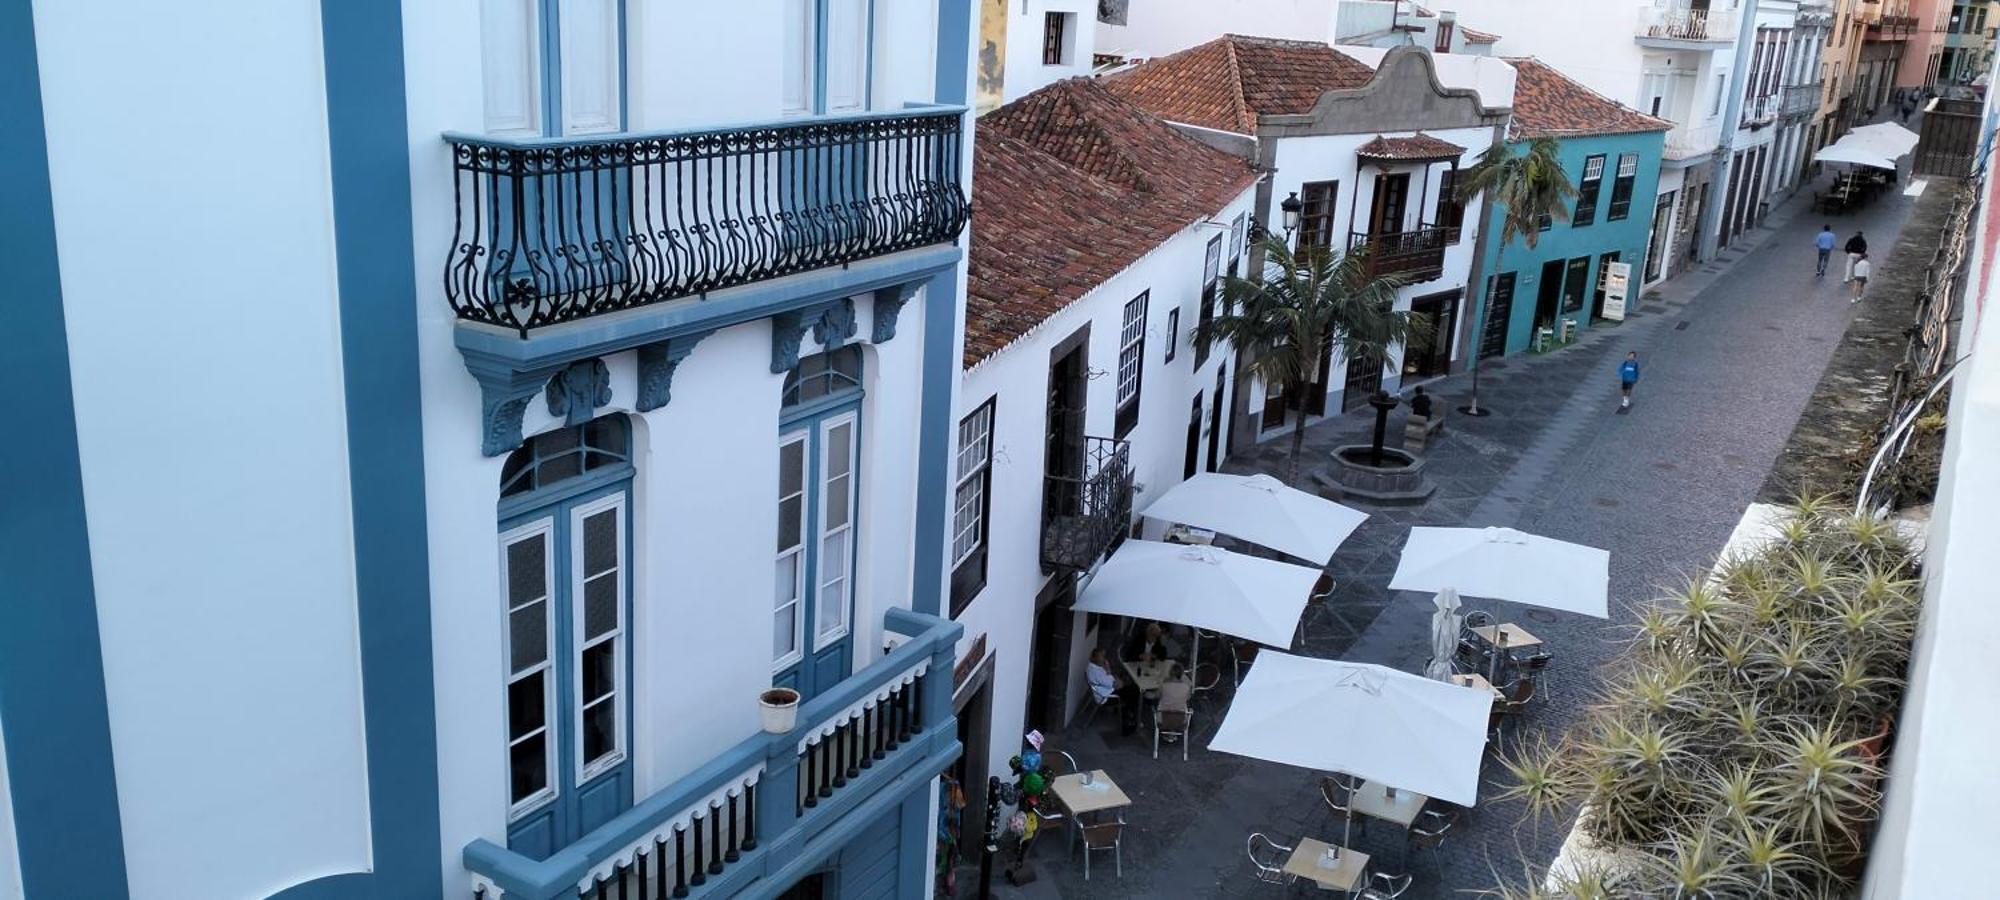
pixel 799 44
pixel 1131 341
pixel 581 643
pixel 522 64
pixel 798 551
pixel 822 636
pixel 975 458
pixel 609 55
pixel 546 528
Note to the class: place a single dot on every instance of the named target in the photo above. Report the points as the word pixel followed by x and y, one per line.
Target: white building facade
pixel 453 423
pixel 1083 394
pixel 1370 142
pixel 1750 167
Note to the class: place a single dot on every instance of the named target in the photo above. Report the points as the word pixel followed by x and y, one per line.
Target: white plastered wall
pixel 1026 27
pixel 189 167
pixel 1156 29
pixel 702 530
pixel 1018 377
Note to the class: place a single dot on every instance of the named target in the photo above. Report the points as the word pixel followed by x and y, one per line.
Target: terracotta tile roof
pixel 1548 104
pixel 1421 146
pixel 1475 36
pixel 1072 186
pixel 1228 82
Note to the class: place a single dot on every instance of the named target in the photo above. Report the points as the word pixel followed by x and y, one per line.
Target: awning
pixel 1206 587
pixel 1854 154
pixel 1504 564
pixel 1893 139
pixel 1259 509
pixel 1389 727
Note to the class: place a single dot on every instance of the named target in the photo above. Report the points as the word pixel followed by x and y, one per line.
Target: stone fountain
pixel 1373 472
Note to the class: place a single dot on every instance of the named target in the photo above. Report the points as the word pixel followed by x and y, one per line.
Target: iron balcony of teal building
pixel 769 810
pixel 554 230
pixel 1416 255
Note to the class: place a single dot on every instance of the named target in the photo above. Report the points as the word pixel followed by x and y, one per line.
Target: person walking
pixel 1628 375
pixel 1857 247
pixel 1824 243
pixel 1862 269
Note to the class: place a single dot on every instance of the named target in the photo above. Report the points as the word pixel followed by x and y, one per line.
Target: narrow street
pixel 1731 353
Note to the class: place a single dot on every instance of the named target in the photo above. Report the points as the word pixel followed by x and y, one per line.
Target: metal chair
pixel 1386 887
pixel 1096 704
pixel 1318 606
pixel 1104 836
pixel 1429 833
pixel 1269 857
pixel 1206 676
pixel 1241 655
pixel 1339 797
pixel 1174 715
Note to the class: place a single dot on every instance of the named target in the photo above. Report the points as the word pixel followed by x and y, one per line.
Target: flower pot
pixel 780 707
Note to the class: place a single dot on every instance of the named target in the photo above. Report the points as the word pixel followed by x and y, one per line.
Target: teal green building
pixel 1611 154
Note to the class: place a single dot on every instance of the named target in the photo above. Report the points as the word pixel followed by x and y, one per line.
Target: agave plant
pixel 1737 749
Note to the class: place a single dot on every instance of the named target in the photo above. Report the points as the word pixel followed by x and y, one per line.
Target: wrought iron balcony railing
pixel 1801 99
pixel 1419 253
pixel 710 834
pixel 1085 515
pixel 555 230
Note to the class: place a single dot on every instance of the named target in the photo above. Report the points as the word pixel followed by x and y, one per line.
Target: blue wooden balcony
pixel 553 230
pixel 769 810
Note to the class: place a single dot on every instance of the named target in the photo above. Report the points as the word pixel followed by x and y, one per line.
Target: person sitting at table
pixel 1104 685
pixel 1150 645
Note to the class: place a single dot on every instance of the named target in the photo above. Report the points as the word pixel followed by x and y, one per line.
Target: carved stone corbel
pixel 578 390
pixel 657 363
pixel 834 323
pixel 889 303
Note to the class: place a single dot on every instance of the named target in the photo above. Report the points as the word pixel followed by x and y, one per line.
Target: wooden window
pixel 530 683
pixel 1621 189
pixel 1444 31
pixel 1055 38
pixel 1316 218
pixel 971 504
pixel 788 615
pixel 1211 274
pixel 597 563
pixel 1131 361
pixel 1173 333
pixel 837 440
pixel 1586 191
pixel 1450 211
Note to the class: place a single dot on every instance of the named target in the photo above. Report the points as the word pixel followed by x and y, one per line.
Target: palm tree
pixel 1306 304
pixel 1525 188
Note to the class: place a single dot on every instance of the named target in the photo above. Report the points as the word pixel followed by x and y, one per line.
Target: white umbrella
pixel 1390 727
pixel 1504 564
pixel 1858 153
pixel 1893 139
pixel 1444 634
pixel 1205 587
pixel 1259 509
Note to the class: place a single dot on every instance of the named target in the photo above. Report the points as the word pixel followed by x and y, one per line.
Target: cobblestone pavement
pixel 1731 354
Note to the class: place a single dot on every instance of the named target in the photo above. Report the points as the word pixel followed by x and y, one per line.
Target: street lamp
pixel 1291 207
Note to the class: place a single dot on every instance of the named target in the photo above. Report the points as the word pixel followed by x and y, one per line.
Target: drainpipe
pixel 1732 118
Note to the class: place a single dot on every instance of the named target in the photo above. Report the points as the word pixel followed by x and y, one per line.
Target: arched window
pixel 823 375
pixel 547 459
pixel 565 595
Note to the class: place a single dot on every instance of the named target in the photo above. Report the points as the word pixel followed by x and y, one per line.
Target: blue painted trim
pixel 368 143
pixel 954 52
pixel 935 427
pixel 914 840
pixel 60 776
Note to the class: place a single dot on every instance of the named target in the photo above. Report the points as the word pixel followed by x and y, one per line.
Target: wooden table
pixel 1373 800
pixel 1188 534
pixel 1347 876
pixel 1517 637
pixel 1082 799
pixel 1476 680
pixel 1150 675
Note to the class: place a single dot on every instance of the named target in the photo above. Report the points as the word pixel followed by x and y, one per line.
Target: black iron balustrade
pixel 1418 254
pixel 828 763
pixel 555 230
pixel 1085 515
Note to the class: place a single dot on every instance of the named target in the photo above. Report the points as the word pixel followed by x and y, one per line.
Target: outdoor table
pixel 1347 876
pixel 1083 799
pixel 1150 675
pixel 1188 534
pixel 1373 800
pixel 1517 637
pixel 1475 680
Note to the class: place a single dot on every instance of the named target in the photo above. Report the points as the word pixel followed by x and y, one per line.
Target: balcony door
pixel 819 446
pixel 565 547
pixel 1392 195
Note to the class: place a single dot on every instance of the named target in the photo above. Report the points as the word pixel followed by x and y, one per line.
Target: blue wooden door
pixel 567 577
pixel 817 456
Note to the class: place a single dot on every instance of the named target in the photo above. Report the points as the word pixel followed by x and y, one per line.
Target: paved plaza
pixel 1731 352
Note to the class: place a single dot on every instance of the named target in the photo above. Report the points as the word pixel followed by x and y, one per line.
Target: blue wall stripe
pixel 935 429
pixel 368 133
pixel 59 773
pixel 954 55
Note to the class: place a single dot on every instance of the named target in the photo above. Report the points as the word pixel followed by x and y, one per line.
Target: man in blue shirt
pixel 1825 244
pixel 1628 375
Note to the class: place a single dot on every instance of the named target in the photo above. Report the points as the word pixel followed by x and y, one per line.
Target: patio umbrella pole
pixel 1493 665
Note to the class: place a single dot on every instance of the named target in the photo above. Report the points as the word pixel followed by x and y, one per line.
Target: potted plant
pixel 780 707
